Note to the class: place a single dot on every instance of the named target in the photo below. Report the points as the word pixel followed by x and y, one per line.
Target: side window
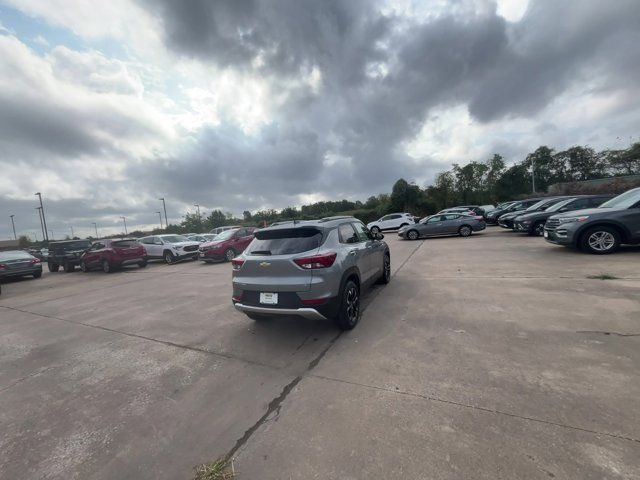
pixel 580 203
pixel 157 241
pixel 346 234
pixel 146 240
pixel 385 218
pixel 363 232
pixel 98 246
pixel 436 219
pixel 597 201
pixel 241 233
pixel 451 217
pixel 394 217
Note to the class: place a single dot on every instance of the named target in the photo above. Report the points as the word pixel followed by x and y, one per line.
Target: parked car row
pixel 596 224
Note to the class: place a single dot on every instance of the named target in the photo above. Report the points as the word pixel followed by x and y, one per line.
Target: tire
pixel 37 274
pixel 537 229
pixel 83 267
pixel 465 231
pixel 53 267
pixel 106 266
pixel 230 254
pixel 374 229
pixel 600 240
pixel 385 278
pixel 68 267
pixel 256 316
pixel 168 257
pixel 142 264
pixel 413 235
pixel 349 311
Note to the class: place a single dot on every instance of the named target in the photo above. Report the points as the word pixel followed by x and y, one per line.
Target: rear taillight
pixel 236 263
pixel 479 217
pixel 35 260
pixel 2 266
pixel 323 260
pixel 237 298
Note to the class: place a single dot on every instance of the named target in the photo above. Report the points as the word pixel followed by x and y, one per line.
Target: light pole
pixel 199 217
pixel 13 225
pixel 164 206
pixel 533 175
pixel 41 224
pixel 44 220
pixel 125 225
pixel 160 215
pixel 95 225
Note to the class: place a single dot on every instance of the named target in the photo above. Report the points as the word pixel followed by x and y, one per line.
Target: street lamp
pixel 95 225
pixel 160 216
pixel 44 220
pixel 41 224
pixel 164 206
pixel 13 225
pixel 125 225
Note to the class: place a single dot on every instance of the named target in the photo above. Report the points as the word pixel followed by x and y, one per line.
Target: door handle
pixel 353 252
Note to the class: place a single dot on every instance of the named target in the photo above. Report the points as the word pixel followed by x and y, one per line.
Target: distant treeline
pixel 477 182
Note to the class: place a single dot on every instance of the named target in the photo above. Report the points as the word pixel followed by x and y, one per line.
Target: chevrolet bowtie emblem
pixel 265 264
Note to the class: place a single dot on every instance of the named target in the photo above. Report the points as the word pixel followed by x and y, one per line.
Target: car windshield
pixel 226 235
pixel 285 241
pixel 536 205
pixel 174 238
pixel 209 236
pixel 13 255
pixel 559 205
pixel 624 200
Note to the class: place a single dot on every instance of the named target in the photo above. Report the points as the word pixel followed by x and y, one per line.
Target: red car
pixel 113 253
pixel 227 245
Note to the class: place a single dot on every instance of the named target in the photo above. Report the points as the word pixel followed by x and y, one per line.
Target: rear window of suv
pixel 285 241
pixel 125 243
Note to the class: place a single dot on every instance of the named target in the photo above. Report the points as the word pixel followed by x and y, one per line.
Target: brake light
pixel 35 261
pixel 236 263
pixel 323 260
pixel 237 298
pixel 314 301
pixel 2 266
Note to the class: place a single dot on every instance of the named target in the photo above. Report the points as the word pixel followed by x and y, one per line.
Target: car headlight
pixel 581 218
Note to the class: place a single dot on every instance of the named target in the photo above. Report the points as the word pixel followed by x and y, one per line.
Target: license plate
pixel 269 298
pixel 546 234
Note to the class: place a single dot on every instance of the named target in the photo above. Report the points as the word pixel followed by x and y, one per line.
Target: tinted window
pixel 597 201
pixel 147 240
pixel 125 243
pixel 363 232
pixel 451 217
pixel 347 234
pixel 580 203
pixel 393 217
pixel 83 245
pixel 559 205
pixel 285 241
pixel 386 217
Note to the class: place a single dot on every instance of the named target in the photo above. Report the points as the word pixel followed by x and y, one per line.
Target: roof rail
pixel 337 217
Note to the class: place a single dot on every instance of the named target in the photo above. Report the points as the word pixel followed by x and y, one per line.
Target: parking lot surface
pixel 495 356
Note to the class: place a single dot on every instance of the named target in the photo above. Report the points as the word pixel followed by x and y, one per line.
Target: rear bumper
pixel 21 272
pixel 306 312
pixel 129 261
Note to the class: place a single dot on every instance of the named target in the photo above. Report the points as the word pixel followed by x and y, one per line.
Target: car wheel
pixel 413 234
pixel 53 267
pixel 68 267
pixel 83 267
pixel 106 266
pixel 374 229
pixel 600 240
pixel 537 229
pixel 464 231
pixel 385 278
pixel 168 258
pixel 230 254
pixel 142 264
pixel 256 316
pixel 349 312
pixel 37 274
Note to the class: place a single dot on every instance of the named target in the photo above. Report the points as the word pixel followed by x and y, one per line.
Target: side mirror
pixel 378 236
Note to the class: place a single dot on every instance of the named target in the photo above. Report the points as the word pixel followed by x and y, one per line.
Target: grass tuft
pixel 602 276
pixel 219 470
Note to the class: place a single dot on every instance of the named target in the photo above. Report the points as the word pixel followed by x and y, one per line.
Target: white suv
pixel 392 221
pixel 170 247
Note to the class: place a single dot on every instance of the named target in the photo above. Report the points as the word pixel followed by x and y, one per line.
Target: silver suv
pixel 314 269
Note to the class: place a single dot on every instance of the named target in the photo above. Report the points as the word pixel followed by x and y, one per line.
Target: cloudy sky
pixel 248 104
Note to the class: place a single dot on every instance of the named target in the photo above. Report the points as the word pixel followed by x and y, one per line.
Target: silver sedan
pixel 447 224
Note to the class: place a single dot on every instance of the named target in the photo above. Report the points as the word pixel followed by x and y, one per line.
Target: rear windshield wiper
pixel 261 252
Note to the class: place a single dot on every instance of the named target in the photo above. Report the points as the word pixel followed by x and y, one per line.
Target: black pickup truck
pixel 66 254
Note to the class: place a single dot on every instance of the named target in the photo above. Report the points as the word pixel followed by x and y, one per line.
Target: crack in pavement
pixel 275 404
pixel 610 333
pixel 150 339
pixel 433 398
